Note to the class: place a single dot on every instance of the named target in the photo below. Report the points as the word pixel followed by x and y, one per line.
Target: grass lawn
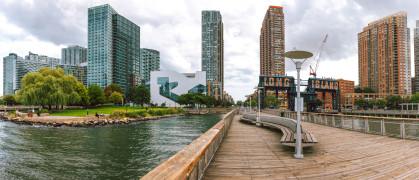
pixel 102 109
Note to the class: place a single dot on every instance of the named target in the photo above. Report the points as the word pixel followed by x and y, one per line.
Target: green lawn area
pixel 102 109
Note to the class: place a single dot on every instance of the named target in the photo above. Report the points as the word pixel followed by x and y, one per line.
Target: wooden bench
pixel 286 126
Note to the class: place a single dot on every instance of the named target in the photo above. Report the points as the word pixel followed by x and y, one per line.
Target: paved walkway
pixel 251 152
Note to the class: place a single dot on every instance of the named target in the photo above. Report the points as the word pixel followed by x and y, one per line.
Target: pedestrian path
pixel 251 152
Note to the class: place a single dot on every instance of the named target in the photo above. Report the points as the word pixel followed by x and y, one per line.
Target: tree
pixel 82 92
pixel 358 90
pixel 182 99
pixel 96 95
pixel 239 103
pixel 130 94
pixel 367 90
pixel 228 104
pixel 271 100
pixel 115 98
pixel 361 103
pixel 415 98
pixel 381 103
pixel 138 95
pixel 393 101
pixel 254 103
pixel 9 100
pixel 209 101
pixel 112 88
pixel 371 104
pixel 48 87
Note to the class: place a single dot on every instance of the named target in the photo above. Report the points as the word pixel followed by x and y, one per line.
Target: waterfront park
pixel 198 139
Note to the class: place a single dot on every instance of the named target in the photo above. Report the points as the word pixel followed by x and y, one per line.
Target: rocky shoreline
pixel 79 122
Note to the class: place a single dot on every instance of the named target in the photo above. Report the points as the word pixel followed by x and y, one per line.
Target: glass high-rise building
pixel 113 48
pixel 73 55
pixel 150 61
pixel 384 55
pixel 15 68
pixel 9 73
pixel 213 52
pixel 272 42
pixel 416 55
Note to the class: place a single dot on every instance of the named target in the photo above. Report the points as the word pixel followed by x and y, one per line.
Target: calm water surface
pixel 109 152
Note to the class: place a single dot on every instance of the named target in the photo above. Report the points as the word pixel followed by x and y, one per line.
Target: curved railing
pixel 386 126
pixel 191 161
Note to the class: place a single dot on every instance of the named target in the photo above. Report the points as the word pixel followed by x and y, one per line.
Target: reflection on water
pixel 110 152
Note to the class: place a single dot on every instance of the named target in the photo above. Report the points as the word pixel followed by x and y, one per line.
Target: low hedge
pixel 137 114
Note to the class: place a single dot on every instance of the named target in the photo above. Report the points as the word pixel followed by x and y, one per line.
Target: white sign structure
pixel 175 84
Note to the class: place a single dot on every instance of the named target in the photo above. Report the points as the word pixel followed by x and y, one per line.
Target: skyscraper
pixel 416 55
pixel 9 73
pixel 272 42
pixel 15 68
pixel 213 52
pixel 113 48
pixel 73 55
pixel 384 55
pixel 150 61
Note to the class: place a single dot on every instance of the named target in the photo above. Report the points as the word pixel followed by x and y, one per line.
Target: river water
pixel 109 152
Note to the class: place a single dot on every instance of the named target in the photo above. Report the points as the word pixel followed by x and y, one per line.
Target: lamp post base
pixel 298 156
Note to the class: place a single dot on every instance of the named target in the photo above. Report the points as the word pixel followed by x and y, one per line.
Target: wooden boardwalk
pixel 251 152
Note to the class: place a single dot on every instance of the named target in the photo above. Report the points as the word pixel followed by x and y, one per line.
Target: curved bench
pixel 287 126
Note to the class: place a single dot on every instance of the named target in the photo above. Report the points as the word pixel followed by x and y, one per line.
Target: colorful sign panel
pixel 323 84
pixel 276 81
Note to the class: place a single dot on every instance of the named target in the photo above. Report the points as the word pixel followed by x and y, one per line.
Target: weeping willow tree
pixel 48 87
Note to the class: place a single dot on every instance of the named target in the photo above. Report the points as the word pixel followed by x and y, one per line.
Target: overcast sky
pixel 173 27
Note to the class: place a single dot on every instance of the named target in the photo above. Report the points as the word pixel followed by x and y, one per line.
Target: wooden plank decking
pixel 251 152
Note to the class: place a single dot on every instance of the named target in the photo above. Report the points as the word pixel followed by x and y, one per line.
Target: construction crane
pixel 317 58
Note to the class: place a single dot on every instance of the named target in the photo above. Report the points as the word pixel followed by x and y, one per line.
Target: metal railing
pixel 191 162
pixel 386 126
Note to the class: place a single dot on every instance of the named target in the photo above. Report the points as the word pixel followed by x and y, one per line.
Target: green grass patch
pixel 101 109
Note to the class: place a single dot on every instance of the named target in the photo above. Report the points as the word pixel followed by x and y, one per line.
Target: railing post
pixel 353 123
pixel 383 128
pixel 333 120
pixel 341 122
pixel 325 120
pixel 402 130
pixel 315 117
pixel 367 127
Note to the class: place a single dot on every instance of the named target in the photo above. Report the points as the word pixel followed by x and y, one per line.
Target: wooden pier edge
pixel 186 163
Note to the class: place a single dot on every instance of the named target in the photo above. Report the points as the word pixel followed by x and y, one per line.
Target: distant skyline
pixel 174 29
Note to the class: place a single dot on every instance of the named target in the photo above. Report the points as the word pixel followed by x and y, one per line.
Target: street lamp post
pixel 250 103
pixel 298 55
pixel 258 119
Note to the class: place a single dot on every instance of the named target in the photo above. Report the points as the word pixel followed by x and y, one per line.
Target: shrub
pixel 142 113
pixel 132 114
pixel 169 111
pixel 181 111
pixel 120 114
pixel 159 113
pixel 151 112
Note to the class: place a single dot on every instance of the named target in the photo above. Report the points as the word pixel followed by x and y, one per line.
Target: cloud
pixel 174 29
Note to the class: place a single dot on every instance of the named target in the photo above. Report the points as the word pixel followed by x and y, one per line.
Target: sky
pixel 173 27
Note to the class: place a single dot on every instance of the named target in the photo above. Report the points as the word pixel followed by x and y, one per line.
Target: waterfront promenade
pixel 251 152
